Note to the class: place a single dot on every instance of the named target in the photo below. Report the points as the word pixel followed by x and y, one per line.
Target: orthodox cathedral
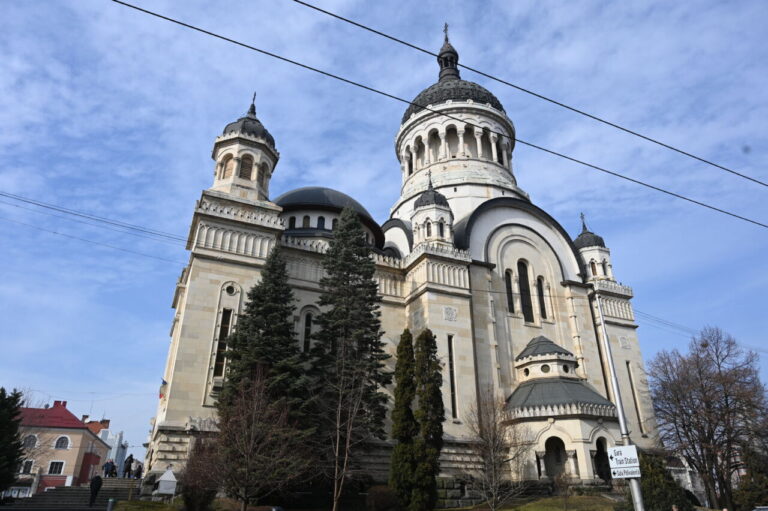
pixel 511 297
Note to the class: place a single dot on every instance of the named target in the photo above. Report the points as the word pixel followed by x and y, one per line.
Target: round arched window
pixel 545 368
pixel 62 442
pixel 566 368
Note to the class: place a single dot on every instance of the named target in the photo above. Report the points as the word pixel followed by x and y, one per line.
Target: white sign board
pixel 623 456
pixel 625 473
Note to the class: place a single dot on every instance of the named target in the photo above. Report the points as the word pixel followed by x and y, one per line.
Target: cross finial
pixel 252 108
pixel 429 177
pixel 445 31
pixel 583 222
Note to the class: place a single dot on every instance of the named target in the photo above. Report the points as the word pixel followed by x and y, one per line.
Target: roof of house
pixel 57 416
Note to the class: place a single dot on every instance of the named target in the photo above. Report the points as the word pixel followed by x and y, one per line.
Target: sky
pixel 111 112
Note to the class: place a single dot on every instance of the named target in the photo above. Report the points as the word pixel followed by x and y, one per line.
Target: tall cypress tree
pixel 264 338
pixel 430 416
pixel 11 450
pixel 348 355
pixel 404 426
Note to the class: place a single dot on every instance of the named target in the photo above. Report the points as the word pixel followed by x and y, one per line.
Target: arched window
pixel 264 174
pixel 292 222
pixel 525 292
pixel 429 229
pixel 246 167
pixel 305 222
pixel 499 152
pixel 334 223
pixel 605 267
pixel 510 293
pixel 321 222
pixel 62 443
pixel 540 292
pixel 307 331
pixel 594 268
pixel 228 166
pixel 441 229
pixel 30 441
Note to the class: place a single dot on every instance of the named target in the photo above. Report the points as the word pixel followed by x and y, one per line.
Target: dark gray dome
pixel 542 346
pixel 319 197
pixel 588 238
pixel 451 89
pixel 431 197
pixel 250 125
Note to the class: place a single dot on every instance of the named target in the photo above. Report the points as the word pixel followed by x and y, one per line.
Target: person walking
pixel 107 468
pixel 135 467
pixel 96 483
pixel 138 471
pixel 127 466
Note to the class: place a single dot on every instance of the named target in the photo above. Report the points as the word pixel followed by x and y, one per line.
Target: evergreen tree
pixel 404 425
pixel 348 356
pixel 264 339
pixel 753 485
pixel 11 450
pixel 430 416
pixel 660 490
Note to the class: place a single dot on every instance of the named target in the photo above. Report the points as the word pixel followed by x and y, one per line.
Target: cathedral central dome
pixel 450 86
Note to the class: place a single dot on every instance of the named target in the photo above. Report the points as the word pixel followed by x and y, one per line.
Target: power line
pixel 424 107
pixel 537 95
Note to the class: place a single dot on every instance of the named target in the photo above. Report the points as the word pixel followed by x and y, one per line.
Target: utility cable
pixel 391 96
pixel 536 94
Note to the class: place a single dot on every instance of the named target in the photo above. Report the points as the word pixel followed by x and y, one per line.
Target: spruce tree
pixel 348 355
pixel 11 450
pixel 430 416
pixel 404 426
pixel 264 340
pixel 660 490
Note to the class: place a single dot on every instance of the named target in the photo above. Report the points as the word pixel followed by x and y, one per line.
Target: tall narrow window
pixel 605 267
pixel 410 165
pixel 634 398
pixel 452 375
pixel 307 331
pixel 321 222
pixel 429 229
pixel 305 222
pixel 229 166
pixel 540 292
pixel 441 229
pixel 263 175
pixel 525 292
pixel 246 167
pixel 594 268
pixel 221 345
pixel 26 468
pixel 334 223
pixel 292 222
pixel 510 293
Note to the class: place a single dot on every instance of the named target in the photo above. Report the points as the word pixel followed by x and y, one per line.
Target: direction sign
pixel 625 473
pixel 623 456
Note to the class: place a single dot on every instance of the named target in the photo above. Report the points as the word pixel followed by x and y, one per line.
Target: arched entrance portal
pixel 554 457
pixel 602 467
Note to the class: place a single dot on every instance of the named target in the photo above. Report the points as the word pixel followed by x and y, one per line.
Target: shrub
pixel 382 498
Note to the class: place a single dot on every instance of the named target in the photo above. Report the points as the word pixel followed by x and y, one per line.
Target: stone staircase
pixel 74 498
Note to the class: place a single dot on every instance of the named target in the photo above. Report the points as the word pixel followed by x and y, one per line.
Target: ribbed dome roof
pixel 431 197
pixel 588 238
pixel 553 392
pixel 318 196
pixel 542 346
pixel 450 86
pixel 250 125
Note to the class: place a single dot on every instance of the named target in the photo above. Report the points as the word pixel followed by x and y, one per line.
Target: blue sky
pixel 111 112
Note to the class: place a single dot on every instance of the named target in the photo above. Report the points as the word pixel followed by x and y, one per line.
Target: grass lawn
pixel 575 503
pixel 143 505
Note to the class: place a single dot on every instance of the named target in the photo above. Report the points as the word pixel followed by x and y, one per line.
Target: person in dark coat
pixel 108 468
pixel 127 466
pixel 138 471
pixel 95 487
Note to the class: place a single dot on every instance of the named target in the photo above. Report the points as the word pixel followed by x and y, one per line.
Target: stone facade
pixel 465 253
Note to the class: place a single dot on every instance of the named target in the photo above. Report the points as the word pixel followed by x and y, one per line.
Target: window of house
pixel 292 222
pixel 594 268
pixel 441 229
pixel 321 222
pixel 228 166
pixel 525 292
pixel 56 467
pixel 429 229
pixel 334 223
pixel 510 293
pixel 246 167
pixel 305 222
pixel 307 331
pixel 30 441
pixel 62 442
pixel 452 376
pixel 221 345
pixel 540 292
pixel 26 468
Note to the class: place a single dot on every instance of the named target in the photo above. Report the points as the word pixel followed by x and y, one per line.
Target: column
pixel 494 153
pixel 540 455
pixel 592 453
pixel 572 467
pixel 236 172
pixel 462 149
pixel 413 161
pixel 443 146
pixel 478 139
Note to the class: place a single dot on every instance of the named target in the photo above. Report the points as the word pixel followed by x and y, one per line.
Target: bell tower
pixel 245 157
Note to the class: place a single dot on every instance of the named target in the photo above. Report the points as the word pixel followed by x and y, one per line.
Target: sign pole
pixel 634 484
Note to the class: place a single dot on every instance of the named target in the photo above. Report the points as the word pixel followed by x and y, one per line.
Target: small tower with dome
pixel 432 218
pixel 245 157
pixel 596 255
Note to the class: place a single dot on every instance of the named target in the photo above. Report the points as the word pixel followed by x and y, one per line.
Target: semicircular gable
pixel 473 232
